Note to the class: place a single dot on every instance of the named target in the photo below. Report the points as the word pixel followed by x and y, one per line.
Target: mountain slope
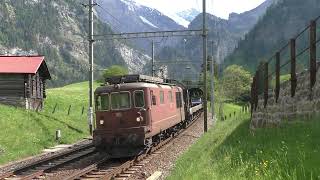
pixel 133 16
pixel 281 22
pixel 224 33
pixel 130 16
pixel 56 29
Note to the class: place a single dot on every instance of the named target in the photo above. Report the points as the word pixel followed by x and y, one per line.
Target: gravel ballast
pixel 165 160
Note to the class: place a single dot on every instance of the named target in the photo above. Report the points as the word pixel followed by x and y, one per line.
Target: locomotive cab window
pixel 178 99
pixel 170 97
pixel 102 102
pixel 138 99
pixel 161 97
pixel 120 101
pixel 153 98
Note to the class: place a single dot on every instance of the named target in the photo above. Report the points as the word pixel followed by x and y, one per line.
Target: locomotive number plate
pixel 118 115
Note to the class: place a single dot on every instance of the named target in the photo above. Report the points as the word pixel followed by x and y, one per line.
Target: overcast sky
pixel 220 8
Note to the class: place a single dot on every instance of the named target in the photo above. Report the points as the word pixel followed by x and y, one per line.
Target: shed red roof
pixel 21 64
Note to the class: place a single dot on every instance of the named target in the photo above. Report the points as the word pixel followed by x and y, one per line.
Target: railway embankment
pixel 231 150
pixel 25 133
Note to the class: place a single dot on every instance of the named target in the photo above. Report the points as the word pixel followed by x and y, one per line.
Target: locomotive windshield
pixel 139 99
pixel 102 102
pixel 120 101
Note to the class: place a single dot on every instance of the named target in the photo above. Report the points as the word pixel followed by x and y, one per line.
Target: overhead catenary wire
pixel 117 27
pixel 177 62
pixel 195 31
pixel 117 20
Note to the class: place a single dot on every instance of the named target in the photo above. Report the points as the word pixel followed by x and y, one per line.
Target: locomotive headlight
pixel 138 119
pixel 101 122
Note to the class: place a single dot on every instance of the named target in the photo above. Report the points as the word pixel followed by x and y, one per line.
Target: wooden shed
pixel 23 81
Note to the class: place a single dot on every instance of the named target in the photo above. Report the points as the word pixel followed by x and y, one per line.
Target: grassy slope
pixel 24 133
pixel 231 151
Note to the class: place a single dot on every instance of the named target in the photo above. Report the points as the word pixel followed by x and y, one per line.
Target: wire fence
pixel 225 114
pixel 297 56
pixel 68 109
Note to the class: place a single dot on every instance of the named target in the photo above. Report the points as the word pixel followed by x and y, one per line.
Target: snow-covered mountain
pixel 189 14
pixel 130 16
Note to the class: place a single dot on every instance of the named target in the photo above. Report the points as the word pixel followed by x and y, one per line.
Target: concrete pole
pixel 90 39
pixel 204 35
pixel 152 60
pixel 212 83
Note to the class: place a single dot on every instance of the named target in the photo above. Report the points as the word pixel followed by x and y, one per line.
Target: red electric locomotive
pixel 134 111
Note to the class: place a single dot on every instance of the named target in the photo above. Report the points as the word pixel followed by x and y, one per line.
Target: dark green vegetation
pixel 231 151
pixel 233 86
pixel 236 83
pixel 58 30
pixel 281 22
pixel 24 133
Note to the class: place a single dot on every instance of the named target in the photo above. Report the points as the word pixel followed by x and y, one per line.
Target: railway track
pixel 38 168
pixel 105 169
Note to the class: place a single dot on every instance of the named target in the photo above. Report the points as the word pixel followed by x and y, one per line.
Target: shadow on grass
pixel 59 121
pixel 32 117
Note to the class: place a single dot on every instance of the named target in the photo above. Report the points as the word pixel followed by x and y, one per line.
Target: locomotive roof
pixel 132 86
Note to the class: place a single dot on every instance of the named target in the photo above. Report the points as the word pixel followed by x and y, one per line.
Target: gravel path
pixel 165 161
pixel 20 163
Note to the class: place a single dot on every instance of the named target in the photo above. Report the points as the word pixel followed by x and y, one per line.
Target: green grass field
pixel 24 133
pixel 231 151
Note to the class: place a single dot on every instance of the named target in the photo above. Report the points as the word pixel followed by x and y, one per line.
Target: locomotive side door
pixel 180 104
pixel 151 100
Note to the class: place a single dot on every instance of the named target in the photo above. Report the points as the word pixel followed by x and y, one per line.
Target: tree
pixel 236 82
pixel 115 70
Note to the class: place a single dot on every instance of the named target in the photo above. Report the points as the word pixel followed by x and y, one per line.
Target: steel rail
pixel 38 168
pixel 123 168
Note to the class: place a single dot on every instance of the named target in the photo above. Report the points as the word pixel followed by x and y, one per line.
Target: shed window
pixel 120 100
pixel 139 99
pixel 161 97
pixel 102 102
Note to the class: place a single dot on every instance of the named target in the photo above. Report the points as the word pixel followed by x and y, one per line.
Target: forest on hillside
pixel 282 21
pixel 56 29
